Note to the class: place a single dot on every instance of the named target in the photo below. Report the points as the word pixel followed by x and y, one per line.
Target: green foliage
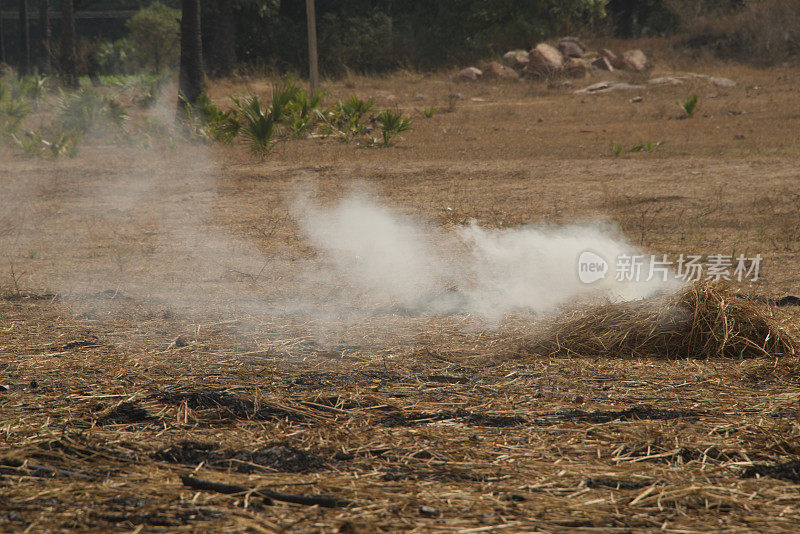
pixel 301 112
pixel 118 57
pixel 346 120
pixel 154 30
pixel 258 125
pixel 87 110
pixel 62 143
pixel 689 106
pixel 392 124
pixel 428 113
pixel 13 108
pixel 207 122
pixel 647 147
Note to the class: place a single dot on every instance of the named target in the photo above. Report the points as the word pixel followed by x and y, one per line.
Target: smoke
pixel 384 261
pixel 152 234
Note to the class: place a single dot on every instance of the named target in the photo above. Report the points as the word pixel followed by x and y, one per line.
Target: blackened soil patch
pixel 125 413
pixel 784 471
pixel 276 457
pixel 333 379
pixel 637 413
pixel 464 416
pixel 235 407
pixel 612 483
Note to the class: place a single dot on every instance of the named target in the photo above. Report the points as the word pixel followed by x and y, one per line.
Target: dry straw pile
pixel 702 321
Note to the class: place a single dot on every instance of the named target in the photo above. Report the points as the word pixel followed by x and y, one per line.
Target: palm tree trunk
pixel 2 39
pixel 190 79
pixel 44 37
pixel 68 59
pixel 24 63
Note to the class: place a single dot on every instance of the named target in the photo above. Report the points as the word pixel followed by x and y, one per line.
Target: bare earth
pixel 136 345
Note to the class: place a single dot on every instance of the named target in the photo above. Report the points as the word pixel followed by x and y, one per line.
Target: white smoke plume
pixel 388 261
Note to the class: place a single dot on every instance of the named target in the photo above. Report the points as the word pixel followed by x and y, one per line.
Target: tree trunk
pixel 68 60
pixel 223 42
pixel 190 79
pixel 44 37
pixel 2 39
pixel 24 63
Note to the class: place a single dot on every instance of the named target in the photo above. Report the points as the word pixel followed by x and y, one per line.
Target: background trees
pixel 362 35
pixel 190 78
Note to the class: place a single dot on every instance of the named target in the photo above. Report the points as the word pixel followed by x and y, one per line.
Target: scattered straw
pixel 703 321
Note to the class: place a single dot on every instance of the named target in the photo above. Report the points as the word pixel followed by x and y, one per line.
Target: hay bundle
pixel 703 321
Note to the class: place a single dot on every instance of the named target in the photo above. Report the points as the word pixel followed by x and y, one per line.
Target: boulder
pixel 544 60
pixel 495 71
pixel 602 63
pixel 469 74
pixel 572 47
pixel 516 59
pixel 612 58
pixel 634 60
pixel 577 68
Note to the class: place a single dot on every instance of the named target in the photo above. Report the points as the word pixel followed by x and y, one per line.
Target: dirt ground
pixel 136 349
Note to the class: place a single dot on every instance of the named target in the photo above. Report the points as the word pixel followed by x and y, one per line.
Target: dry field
pixel 140 353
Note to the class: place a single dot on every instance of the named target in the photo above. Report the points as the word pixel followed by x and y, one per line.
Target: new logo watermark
pixel 591 267
pixel 641 268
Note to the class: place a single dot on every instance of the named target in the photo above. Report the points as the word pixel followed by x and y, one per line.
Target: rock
pixel 634 60
pixel 611 57
pixel 572 47
pixel 577 68
pixel 722 82
pixel 602 63
pixel 494 71
pixel 469 74
pixel 419 96
pixel 665 80
pixel 605 87
pixel 516 59
pixel 544 60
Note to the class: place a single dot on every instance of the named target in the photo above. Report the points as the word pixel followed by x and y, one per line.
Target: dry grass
pixel 420 424
pixel 703 321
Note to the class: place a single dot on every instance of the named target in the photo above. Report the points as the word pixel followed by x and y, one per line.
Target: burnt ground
pixel 101 437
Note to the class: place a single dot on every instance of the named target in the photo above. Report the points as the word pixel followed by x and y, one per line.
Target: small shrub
pixel 207 122
pixel 346 120
pixel 428 113
pixel 13 109
pixel 301 112
pixel 34 143
pixel 392 124
pixel 647 147
pixel 282 98
pixel 258 127
pixel 689 106
pixel 117 57
pixel 87 110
